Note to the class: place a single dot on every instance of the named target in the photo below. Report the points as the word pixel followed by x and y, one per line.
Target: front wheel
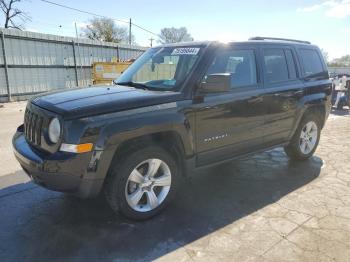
pixel 306 138
pixel 143 183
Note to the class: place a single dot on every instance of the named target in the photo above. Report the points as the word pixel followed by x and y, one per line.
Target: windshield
pixel 162 68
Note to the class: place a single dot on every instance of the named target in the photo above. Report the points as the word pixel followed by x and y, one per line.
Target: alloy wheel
pixel 148 185
pixel 308 137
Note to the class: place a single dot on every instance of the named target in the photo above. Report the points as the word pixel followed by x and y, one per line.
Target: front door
pixel 230 123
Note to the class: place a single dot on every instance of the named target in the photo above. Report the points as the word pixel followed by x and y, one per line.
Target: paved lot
pixel 263 208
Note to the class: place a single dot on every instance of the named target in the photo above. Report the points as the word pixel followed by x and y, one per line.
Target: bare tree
pixel 325 55
pixel 12 12
pixel 174 35
pixel 104 29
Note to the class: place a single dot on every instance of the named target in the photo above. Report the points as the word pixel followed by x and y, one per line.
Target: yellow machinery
pixel 106 72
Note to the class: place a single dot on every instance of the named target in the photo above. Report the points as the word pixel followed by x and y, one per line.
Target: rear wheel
pixel 142 184
pixel 306 138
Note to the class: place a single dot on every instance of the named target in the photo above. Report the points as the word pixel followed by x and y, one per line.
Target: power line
pixel 98 15
pixel 81 11
pixel 144 29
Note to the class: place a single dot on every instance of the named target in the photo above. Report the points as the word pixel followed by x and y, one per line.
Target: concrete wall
pixel 39 62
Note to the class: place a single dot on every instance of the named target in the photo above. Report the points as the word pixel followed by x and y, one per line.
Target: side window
pixel 311 61
pixel 291 64
pixel 239 63
pixel 275 63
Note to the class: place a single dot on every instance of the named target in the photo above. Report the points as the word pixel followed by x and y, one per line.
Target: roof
pixel 193 43
pixel 273 42
pixel 257 40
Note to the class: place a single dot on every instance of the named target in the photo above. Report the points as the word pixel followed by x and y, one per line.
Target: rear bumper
pixel 64 172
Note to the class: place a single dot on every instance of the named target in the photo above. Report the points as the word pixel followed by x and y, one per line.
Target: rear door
pixel 283 90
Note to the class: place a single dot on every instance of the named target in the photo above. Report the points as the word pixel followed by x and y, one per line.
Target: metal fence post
pixel 6 67
pixel 75 65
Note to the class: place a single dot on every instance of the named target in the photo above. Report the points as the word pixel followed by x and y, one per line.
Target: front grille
pixel 33 124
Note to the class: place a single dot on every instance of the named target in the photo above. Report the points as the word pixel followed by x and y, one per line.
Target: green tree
pixel 343 61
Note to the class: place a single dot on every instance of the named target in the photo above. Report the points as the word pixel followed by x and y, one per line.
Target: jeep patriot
pixel 177 108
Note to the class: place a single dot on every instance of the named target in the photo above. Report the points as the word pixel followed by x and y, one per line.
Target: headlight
pixel 54 130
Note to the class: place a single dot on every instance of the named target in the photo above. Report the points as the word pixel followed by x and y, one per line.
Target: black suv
pixel 177 108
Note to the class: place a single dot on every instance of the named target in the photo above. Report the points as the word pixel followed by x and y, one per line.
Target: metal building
pixel 31 63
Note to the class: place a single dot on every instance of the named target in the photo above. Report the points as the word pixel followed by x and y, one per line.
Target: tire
pixel 122 192
pixel 296 149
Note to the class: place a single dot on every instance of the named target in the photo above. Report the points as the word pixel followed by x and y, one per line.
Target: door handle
pixel 210 107
pixel 289 94
pixel 299 92
pixel 255 100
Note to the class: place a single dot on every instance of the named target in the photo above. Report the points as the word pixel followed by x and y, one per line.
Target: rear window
pixel 311 61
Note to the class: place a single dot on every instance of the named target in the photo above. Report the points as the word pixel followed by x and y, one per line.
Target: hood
pixel 88 101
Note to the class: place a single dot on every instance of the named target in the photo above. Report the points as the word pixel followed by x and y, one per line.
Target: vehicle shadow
pixel 41 225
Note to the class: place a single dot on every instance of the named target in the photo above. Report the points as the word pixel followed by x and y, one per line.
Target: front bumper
pixel 64 172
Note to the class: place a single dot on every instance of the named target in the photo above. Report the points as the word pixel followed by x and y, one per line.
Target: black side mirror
pixel 158 59
pixel 217 83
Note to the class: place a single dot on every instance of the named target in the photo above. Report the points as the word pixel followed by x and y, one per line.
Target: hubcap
pixel 308 137
pixel 148 185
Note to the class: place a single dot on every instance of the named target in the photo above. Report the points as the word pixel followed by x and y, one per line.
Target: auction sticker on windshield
pixel 185 51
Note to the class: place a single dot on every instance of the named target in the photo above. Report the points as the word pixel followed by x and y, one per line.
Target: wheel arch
pixel 170 141
pixel 314 104
pixel 318 104
pixel 319 111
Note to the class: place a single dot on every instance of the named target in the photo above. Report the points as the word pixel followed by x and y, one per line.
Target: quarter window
pixel 276 69
pixel 311 62
pixel 239 63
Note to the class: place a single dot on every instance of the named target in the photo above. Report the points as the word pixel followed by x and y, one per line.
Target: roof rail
pixel 281 39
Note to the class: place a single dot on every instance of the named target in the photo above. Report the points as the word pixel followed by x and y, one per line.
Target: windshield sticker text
pixel 185 51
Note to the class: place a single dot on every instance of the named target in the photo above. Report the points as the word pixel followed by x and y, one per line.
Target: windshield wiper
pixel 133 84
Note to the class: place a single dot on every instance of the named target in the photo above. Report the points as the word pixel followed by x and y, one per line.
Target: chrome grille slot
pixel 33 127
pixel 25 122
pixel 38 131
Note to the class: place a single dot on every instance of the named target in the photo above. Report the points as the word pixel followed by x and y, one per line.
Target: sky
pixel 325 23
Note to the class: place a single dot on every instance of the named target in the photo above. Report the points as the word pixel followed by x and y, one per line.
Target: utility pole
pixel 130 31
pixel 76 30
pixel 5 66
pixel 80 61
pixel 151 39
